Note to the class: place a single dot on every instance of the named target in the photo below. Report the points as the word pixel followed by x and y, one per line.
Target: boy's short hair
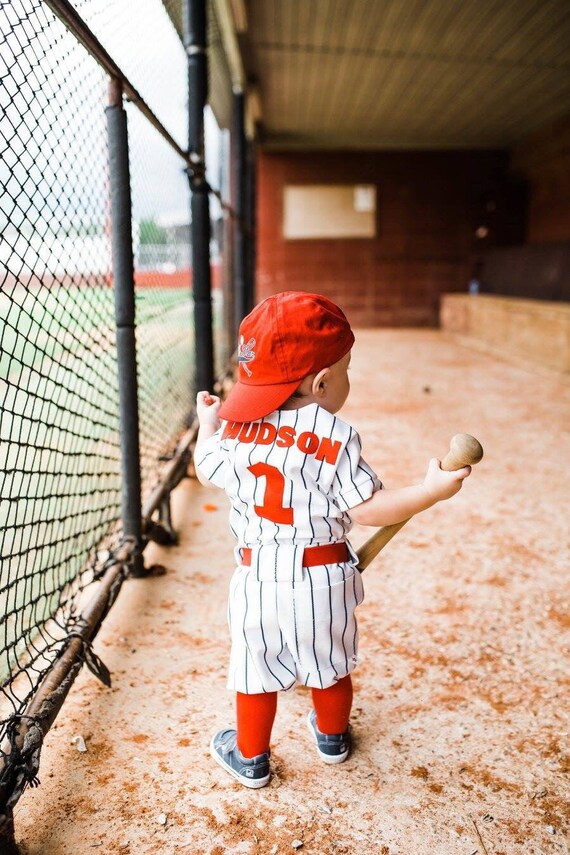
pixel 284 339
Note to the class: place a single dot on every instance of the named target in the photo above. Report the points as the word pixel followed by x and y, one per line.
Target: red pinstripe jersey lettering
pixel 264 433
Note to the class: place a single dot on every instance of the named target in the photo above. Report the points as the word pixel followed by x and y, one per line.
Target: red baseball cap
pixel 285 338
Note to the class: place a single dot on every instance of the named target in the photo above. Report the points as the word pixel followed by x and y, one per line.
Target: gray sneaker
pixel 332 748
pixel 253 773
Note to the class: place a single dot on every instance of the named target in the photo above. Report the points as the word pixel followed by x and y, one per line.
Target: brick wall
pixel 544 160
pixel 428 207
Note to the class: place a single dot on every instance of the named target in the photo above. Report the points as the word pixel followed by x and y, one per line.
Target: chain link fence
pixel 60 490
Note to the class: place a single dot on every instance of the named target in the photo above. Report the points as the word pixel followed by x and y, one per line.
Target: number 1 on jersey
pixel 272 507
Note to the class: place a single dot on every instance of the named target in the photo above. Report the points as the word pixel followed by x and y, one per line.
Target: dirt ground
pixel 462 695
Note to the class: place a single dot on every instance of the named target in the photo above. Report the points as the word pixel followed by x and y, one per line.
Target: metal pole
pixel 204 340
pixel 249 217
pixel 241 303
pixel 124 286
pixel 227 254
pixel 8 844
pixel 195 42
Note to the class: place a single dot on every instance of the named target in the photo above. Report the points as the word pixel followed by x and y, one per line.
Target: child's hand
pixel 443 485
pixel 207 407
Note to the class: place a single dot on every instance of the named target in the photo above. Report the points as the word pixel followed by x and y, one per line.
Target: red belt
pixel 313 556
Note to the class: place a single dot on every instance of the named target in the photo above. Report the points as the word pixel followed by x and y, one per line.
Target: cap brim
pixel 250 403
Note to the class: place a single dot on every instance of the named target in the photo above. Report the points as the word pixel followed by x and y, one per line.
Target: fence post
pixel 124 288
pixel 8 844
pixel 250 223
pixel 238 191
pixel 195 41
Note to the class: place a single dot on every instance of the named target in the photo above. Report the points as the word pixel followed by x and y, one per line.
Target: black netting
pixel 59 481
pixel 164 309
pixel 59 436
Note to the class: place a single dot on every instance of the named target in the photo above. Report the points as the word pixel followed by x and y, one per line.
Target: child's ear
pixel 320 380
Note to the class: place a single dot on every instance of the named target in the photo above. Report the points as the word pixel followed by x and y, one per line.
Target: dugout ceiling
pixel 394 73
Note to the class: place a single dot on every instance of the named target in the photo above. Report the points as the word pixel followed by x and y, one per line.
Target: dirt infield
pixel 462 695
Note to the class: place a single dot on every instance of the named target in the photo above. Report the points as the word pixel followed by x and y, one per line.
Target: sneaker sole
pixel 331 759
pixel 251 783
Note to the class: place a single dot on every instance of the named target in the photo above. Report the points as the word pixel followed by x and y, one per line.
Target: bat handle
pixel 464 450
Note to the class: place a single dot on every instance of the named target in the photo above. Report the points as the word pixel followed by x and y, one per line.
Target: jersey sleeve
pixel 354 481
pixel 212 460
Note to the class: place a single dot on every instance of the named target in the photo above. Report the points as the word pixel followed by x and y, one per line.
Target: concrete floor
pixel 461 704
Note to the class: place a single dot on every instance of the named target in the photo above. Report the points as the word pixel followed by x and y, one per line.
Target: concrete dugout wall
pixel 530 331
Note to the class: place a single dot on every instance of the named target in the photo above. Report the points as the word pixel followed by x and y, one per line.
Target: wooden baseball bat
pixel 464 450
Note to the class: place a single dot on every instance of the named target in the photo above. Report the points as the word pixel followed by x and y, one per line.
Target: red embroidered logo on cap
pixel 246 354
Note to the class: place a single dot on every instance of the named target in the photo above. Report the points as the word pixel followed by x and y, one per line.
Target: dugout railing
pixel 99 359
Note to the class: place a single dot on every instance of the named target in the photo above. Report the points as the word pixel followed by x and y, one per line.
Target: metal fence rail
pixel 61 459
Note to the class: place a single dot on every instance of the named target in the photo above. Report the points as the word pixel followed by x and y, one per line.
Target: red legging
pixel 256 713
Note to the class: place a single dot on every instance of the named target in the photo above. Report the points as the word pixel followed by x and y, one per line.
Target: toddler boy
pixel 296 481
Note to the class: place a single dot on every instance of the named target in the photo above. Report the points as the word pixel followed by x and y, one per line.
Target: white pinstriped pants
pixel 291 624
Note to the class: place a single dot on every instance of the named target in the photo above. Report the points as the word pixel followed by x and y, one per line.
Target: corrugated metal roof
pixel 407 73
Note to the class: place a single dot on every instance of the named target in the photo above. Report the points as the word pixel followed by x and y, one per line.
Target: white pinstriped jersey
pixel 290 478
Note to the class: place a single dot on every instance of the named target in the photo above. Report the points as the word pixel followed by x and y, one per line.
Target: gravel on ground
pixel 460 717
